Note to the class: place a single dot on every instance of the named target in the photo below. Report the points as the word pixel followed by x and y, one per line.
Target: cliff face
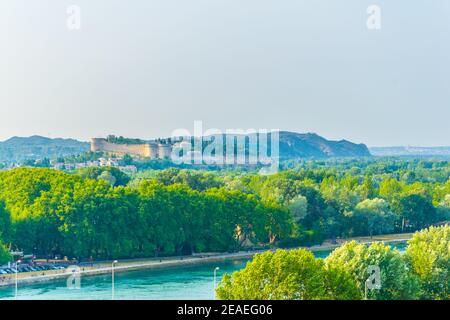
pixel 311 145
pixel 291 146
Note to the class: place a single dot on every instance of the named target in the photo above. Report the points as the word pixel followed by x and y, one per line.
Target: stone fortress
pixel 152 150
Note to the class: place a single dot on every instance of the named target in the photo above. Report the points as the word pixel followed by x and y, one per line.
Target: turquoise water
pixel 193 282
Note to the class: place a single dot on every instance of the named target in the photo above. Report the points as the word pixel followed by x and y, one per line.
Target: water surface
pixel 187 282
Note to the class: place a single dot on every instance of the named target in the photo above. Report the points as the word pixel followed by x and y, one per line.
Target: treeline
pixel 352 272
pixel 353 199
pixel 47 212
pixel 103 213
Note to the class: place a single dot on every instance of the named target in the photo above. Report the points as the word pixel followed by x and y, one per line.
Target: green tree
pixel 428 255
pixel 443 209
pixel 415 211
pixel 369 191
pixel 298 208
pixel 121 178
pixel 5 222
pixel 390 189
pixel 372 216
pixel 107 177
pixel 126 160
pixel 287 275
pixel 5 256
pixel 396 280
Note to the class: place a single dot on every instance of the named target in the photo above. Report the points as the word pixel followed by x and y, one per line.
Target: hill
pixel 292 146
pixel 311 145
pixel 18 149
pixel 410 151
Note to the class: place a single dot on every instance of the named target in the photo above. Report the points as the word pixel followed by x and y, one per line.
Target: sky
pixel 144 68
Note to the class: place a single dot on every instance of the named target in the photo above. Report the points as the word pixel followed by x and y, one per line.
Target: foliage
pixel 428 255
pixel 421 273
pixel 396 280
pixel 287 275
pixel 372 216
pixel 112 175
pixel 50 212
pixel 5 256
pixel 122 140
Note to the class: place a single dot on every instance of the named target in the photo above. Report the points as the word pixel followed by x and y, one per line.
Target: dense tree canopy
pixel 287 275
pixel 396 280
pixel 51 213
pixel 372 216
pixel 103 213
pixel 428 255
pixel 112 175
pixel 421 273
pixel 94 211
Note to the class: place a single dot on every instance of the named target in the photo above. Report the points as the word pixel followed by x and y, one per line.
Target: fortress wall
pixel 131 149
pixel 164 151
pixel 147 150
pixel 152 150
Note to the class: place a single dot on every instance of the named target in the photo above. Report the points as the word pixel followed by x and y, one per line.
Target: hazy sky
pixel 142 68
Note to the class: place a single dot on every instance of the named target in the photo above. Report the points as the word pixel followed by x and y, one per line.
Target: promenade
pixel 105 267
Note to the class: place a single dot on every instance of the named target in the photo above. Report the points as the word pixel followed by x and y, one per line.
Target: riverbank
pixel 101 268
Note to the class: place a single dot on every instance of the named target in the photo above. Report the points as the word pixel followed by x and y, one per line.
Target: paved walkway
pixel 157 263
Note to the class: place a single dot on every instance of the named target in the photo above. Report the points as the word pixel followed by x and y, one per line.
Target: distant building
pixel 150 150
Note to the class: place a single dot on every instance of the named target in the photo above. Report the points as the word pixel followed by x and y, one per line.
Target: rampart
pixel 145 150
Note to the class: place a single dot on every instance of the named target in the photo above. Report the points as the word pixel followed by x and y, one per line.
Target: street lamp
pixel 112 271
pixel 366 284
pixel 215 276
pixel 16 279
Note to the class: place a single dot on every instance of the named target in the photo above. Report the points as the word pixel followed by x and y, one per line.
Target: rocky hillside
pixel 311 145
pixel 292 146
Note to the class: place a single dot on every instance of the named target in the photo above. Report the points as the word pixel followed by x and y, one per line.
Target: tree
pixel 108 177
pixel 5 256
pixel 415 211
pixel 428 255
pixel 390 188
pixel 126 160
pixel 276 222
pixel 372 216
pixel 121 178
pixel 298 208
pixel 287 275
pixel 396 280
pixel 443 209
pixel 369 191
pixel 5 223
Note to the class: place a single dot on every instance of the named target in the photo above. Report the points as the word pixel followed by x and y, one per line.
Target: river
pixel 192 282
